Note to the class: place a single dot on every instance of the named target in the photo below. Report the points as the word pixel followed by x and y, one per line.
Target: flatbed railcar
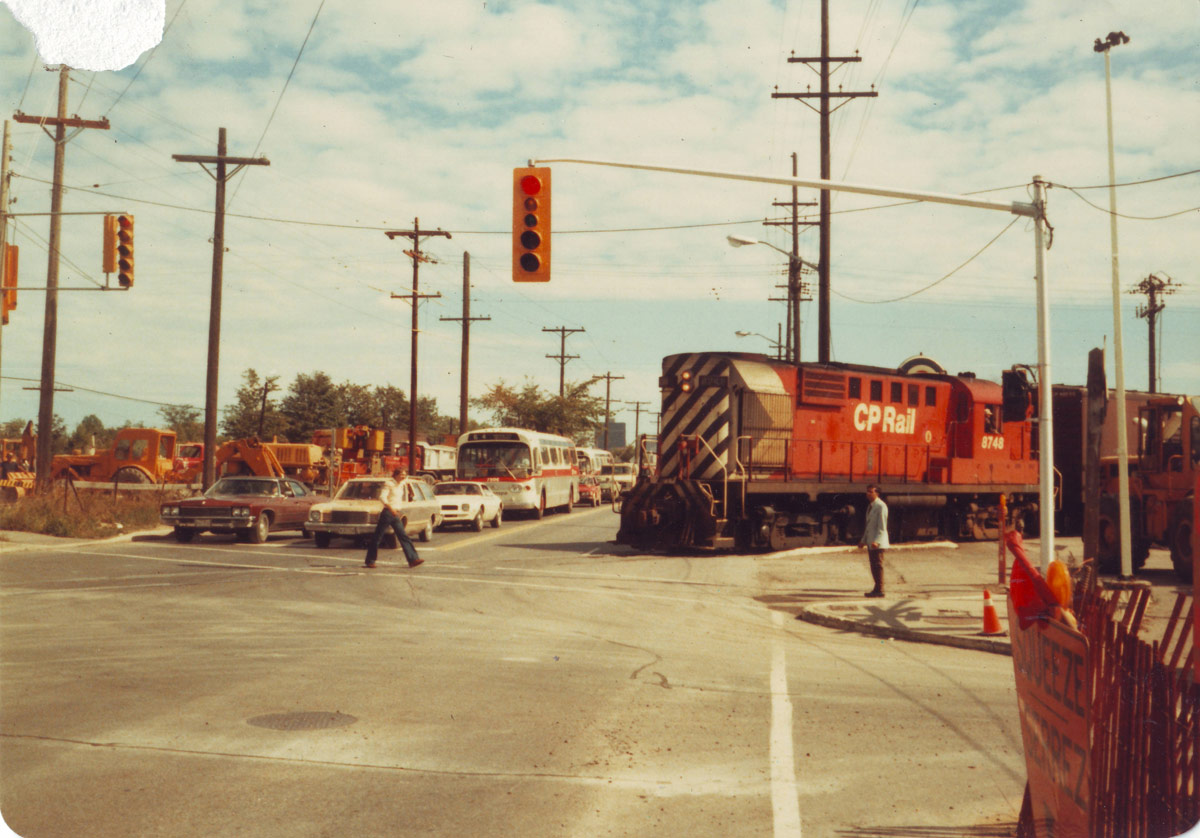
pixel 761 454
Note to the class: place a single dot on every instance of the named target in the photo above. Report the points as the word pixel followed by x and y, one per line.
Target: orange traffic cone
pixel 991 620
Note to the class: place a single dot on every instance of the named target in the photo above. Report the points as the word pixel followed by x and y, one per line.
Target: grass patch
pixel 86 515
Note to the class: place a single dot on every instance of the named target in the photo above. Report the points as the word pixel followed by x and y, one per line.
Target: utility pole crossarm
pixel 66 122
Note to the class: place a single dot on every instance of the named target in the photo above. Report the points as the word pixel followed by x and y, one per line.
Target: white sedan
pixel 464 502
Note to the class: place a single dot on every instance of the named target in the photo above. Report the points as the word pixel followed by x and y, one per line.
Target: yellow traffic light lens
pixel 531 204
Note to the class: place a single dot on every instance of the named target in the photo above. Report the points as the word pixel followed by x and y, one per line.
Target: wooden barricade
pixel 1143 720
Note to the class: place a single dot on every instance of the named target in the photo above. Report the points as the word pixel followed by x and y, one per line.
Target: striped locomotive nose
pixel 701 409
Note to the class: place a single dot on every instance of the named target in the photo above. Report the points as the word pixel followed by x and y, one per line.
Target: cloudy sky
pixel 396 111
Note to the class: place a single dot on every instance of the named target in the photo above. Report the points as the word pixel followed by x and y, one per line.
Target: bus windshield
pixel 494 459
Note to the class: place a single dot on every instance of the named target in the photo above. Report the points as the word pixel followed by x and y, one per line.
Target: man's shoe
pixel 417 562
pixel 873 594
pixel 368 564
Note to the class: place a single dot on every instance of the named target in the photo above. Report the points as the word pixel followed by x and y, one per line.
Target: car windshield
pixel 622 469
pixel 242 486
pixel 456 489
pixel 360 490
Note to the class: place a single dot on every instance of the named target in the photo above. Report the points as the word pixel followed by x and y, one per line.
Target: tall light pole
pixel 795 263
pixel 1104 46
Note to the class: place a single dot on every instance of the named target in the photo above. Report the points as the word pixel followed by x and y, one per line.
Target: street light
pixel 776 344
pixel 1104 46
pixel 795 263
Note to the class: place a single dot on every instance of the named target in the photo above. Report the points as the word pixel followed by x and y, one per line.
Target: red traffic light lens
pixel 531 184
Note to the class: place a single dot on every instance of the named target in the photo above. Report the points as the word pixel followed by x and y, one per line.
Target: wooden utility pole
pixel 416 233
pixel 824 60
pixel 608 380
pixel 466 343
pixel 45 436
pixel 5 279
pixel 795 287
pixel 221 176
pixel 562 357
pixel 1153 287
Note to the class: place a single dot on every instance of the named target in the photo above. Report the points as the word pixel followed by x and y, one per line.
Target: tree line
pixel 263 409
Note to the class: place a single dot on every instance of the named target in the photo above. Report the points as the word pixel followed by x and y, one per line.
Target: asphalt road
pixel 535 680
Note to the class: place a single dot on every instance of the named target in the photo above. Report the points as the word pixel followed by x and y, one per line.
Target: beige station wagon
pixel 354 511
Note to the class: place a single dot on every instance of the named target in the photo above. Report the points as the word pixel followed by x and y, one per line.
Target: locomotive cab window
pixel 930 396
pixel 914 395
pixel 991 416
pixel 897 393
pixel 876 391
pixel 855 385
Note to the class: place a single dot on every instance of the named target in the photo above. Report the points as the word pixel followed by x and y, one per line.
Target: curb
pixel 10 545
pixel 995 645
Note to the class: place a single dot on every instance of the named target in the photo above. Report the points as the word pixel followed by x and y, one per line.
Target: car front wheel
pixel 427 533
pixel 184 534
pixel 261 528
pixel 496 520
pixel 477 524
pixel 322 539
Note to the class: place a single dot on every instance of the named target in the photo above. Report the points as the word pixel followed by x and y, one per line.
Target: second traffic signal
pixel 118 248
pixel 531 225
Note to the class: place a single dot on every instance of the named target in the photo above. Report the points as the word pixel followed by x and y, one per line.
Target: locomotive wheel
pixel 1181 542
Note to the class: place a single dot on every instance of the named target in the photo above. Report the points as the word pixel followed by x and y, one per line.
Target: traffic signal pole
pixel 45 435
pixel 1036 210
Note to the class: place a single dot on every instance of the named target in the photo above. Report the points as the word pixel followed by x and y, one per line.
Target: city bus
pixel 528 469
pixel 591 459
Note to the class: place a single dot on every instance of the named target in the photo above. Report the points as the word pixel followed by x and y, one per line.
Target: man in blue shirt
pixel 875 537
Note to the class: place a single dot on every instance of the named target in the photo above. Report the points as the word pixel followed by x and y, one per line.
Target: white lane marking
pixel 785 800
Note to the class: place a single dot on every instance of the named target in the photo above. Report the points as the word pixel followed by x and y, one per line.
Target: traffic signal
pixel 8 295
pixel 531 225
pixel 118 248
pixel 124 250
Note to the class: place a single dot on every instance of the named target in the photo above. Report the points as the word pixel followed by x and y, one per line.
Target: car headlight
pixel 465 507
pixel 314 515
pixel 170 510
pixel 241 512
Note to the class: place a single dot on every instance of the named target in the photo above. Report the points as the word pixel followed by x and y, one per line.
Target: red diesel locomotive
pixel 760 454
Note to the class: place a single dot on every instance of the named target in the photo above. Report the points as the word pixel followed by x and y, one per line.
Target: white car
pixel 464 502
pixel 354 511
pixel 615 479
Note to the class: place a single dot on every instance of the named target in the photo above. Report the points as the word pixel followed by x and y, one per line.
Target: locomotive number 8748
pixel 759 454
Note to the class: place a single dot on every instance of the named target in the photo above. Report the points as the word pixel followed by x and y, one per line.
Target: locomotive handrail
pixel 742 470
pixel 725 474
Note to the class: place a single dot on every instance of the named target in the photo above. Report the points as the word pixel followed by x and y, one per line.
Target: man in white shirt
pixel 392 496
pixel 875 537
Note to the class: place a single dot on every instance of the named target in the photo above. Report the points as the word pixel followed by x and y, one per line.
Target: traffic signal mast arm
pixel 1016 208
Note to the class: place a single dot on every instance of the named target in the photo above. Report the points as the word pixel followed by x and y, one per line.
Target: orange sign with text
pixel 1050 665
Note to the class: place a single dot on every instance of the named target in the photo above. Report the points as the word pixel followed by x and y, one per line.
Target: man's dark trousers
pixel 388 519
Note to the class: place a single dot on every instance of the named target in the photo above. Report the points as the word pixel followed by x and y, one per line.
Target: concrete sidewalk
pixel 948 621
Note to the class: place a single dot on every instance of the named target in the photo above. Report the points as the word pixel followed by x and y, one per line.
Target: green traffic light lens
pixel 530 262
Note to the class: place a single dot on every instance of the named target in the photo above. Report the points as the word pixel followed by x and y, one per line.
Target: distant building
pixel 616 436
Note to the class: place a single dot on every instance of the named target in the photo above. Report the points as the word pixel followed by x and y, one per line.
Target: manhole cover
pixel 318 720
